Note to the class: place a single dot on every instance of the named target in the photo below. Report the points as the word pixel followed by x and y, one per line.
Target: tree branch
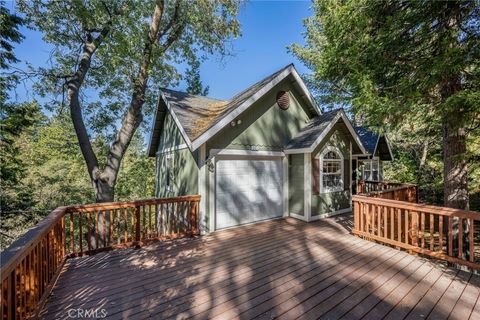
pixel 134 117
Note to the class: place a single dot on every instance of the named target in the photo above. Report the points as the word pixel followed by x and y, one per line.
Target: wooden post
pixel 137 227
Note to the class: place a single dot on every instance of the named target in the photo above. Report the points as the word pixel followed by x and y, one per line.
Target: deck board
pixel 282 268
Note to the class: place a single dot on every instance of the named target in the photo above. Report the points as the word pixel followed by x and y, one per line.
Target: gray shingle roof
pixel 197 114
pixel 307 136
pixel 369 139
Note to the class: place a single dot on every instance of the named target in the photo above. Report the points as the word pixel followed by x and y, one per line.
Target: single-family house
pixel 266 153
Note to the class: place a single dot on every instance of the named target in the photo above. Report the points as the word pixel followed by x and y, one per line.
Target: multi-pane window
pixel 331 178
pixel 370 170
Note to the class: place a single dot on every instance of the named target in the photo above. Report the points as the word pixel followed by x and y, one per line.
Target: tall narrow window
pixel 169 172
pixel 331 179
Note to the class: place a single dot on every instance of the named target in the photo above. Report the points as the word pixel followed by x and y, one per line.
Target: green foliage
pixel 50 171
pixel 390 61
pixel 136 179
pixel 194 82
pixel 387 58
pixel 206 28
pixel 9 36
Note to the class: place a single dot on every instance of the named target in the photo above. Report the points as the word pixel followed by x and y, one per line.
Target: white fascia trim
pixel 295 151
pixel 153 124
pixel 320 138
pixel 305 90
pixel 177 122
pixel 204 137
pixel 352 132
pixel 237 152
pixel 330 214
pixel 297 216
pixel 166 150
pixel 388 145
pixel 324 134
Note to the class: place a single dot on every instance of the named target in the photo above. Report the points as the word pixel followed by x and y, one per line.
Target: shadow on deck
pixel 284 269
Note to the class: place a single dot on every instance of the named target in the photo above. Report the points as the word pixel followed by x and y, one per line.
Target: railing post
pixel 356 215
pixel 137 226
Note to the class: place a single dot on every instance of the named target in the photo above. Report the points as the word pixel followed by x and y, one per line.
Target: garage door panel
pixel 248 191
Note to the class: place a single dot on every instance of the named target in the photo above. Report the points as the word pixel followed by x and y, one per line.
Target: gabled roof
pixel 373 142
pixel 317 129
pixel 200 118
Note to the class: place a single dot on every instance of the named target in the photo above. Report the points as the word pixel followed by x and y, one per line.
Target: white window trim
pixel 168 180
pixel 371 161
pixel 330 190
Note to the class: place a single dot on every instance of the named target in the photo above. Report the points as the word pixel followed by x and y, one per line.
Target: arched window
pixel 331 173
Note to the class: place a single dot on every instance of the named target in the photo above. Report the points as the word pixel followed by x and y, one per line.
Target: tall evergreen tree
pixel 398 61
pixel 404 62
pixel 194 81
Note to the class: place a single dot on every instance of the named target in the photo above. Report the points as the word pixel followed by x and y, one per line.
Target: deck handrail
pixel 388 190
pixel 419 228
pixel 31 265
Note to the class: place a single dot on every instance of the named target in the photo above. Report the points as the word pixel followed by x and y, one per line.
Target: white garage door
pixel 248 190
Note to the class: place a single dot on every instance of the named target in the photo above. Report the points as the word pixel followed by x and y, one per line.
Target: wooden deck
pixel 283 269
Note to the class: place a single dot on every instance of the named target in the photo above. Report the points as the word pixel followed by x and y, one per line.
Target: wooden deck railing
pixel 388 190
pixel 419 228
pixel 30 266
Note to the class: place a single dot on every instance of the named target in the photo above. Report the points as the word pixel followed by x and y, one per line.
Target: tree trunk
pixel 455 179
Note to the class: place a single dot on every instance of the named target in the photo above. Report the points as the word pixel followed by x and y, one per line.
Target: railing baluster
pixel 440 233
pixel 110 214
pixel 422 226
pixel 125 223
pixel 450 238
pixel 385 222
pixel 96 213
pixel 157 234
pixel 89 233
pixel 392 223
pixel 72 249
pixel 119 226
pixel 460 238
pixel 407 227
pixel 432 231
pixel 80 232
pixel 471 240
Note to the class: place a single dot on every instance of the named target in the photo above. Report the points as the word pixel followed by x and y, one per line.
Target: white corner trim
pixel 212 183
pixel 285 186
pixel 307 192
pixel 342 169
pixel 238 152
pixel 330 214
pixel 177 122
pixel 202 190
pixel 166 150
pixel 297 216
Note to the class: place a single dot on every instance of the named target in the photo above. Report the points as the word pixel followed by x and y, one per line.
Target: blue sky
pixel 267 28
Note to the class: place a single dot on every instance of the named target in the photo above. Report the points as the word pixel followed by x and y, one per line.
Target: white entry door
pixel 248 190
